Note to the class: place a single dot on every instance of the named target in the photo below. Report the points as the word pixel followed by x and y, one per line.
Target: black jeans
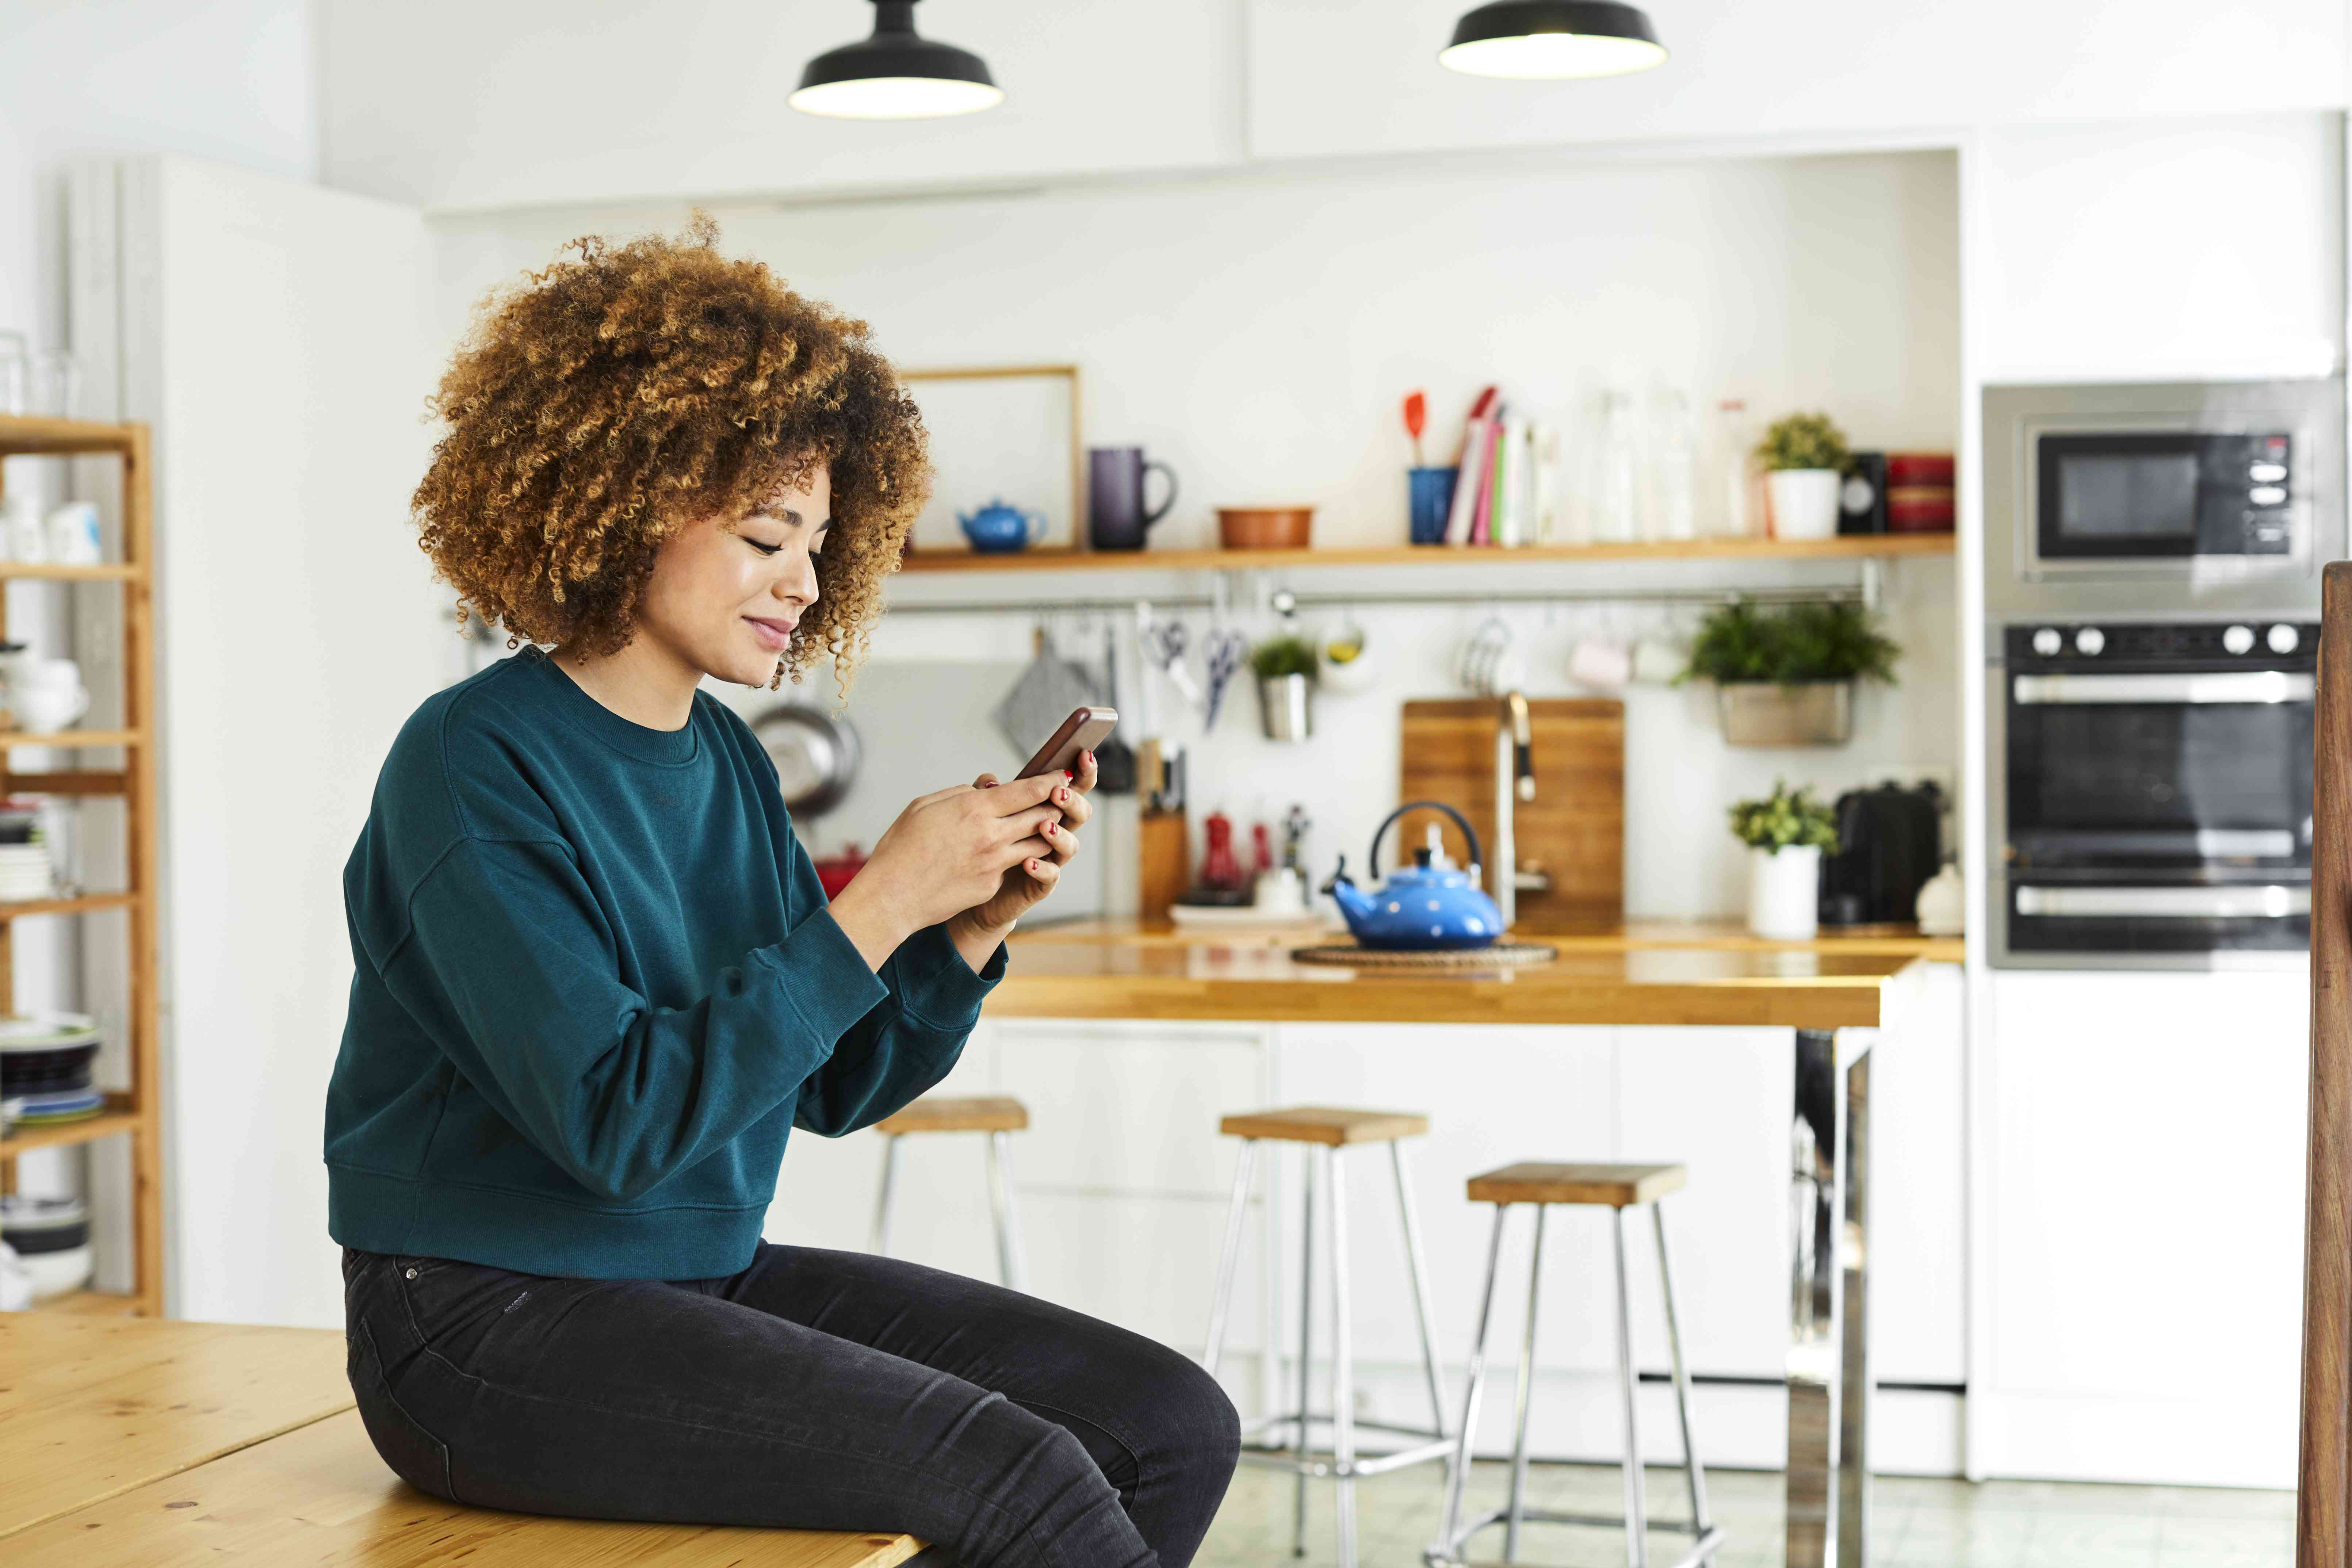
pixel 815 1390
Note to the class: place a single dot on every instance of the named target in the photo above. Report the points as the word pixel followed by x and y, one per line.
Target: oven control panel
pixel 2268 643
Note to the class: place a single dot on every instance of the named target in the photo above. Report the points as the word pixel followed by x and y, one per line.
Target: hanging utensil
pixel 815 756
pixel 1042 697
pixel 1114 759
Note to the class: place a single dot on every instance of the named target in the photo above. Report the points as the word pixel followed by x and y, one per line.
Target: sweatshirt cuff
pixel 936 986
pixel 824 977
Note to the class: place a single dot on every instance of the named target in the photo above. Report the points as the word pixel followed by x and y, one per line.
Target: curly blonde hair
pixel 600 403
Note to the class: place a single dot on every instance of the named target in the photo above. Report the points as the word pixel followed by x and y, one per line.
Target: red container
pixel 1916 469
pixel 1920 509
pixel 835 870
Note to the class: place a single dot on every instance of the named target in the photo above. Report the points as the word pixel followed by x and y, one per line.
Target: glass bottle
pixel 1673 466
pixel 1731 461
pixel 1617 467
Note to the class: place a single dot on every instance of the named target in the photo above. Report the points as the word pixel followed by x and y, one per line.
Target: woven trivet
pixel 1501 955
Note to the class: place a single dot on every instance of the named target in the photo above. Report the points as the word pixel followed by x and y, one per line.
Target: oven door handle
pixel 2220 686
pixel 2267 902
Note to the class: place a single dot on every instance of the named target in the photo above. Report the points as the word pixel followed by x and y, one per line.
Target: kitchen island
pixel 1755 1063
pixel 1833 993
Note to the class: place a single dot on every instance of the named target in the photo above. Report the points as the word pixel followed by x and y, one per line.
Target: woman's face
pixel 726 593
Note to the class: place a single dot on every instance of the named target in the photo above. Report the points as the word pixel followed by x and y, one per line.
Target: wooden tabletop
pixel 93 1407
pixel 138 1441
pixel 1621 976
pixel 320 1495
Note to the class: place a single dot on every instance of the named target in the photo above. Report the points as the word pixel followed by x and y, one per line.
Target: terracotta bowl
pixel 1265 527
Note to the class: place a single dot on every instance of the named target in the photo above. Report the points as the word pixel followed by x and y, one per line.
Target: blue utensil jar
pixel 1433 501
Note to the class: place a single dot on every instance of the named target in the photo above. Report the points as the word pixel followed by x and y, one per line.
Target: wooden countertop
pixel 1642 973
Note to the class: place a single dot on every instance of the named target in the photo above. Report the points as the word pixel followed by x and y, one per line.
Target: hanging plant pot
pixel 1803 713
pixel 1286 706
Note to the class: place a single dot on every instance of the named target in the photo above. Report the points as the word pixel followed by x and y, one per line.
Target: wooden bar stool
pixel 1618 1188
pixel 997 1116
pixel 1330 1131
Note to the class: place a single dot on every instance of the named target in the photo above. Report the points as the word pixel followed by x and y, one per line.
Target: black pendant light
pixel 895 75
pixel 1553 38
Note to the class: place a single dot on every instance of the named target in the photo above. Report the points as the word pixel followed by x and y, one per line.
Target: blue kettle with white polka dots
pixel 1427 905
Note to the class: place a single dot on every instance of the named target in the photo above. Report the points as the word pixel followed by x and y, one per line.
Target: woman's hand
pixel 1021 888
pixel 949 852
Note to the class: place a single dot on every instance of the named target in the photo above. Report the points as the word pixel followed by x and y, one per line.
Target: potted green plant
pixel 1786 677
pixel 1786 834
pixel 1804 457
pixel 1285 668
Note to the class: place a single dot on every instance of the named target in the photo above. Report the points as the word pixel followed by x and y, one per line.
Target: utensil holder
pixel 1286 706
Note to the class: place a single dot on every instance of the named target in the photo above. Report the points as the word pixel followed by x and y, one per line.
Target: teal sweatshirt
pixel 595 986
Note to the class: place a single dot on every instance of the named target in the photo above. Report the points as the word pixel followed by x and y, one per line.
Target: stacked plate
pixel 45 1066
pixel 26 871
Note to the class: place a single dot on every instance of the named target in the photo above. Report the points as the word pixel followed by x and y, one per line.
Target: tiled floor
pixel 1917 1523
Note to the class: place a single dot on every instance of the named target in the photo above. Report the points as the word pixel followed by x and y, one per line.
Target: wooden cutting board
pixel 1575 826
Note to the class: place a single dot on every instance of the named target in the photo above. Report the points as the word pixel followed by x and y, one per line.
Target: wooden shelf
pixel 1845 547
pixel 73 906
pixel 103 571
pixel 68 737
pixel 121 1115
pixel 23 435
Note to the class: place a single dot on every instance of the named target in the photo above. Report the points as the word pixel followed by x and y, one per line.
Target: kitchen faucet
pixel 1515 779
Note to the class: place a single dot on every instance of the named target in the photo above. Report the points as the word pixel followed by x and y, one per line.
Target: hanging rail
pixel 1043 604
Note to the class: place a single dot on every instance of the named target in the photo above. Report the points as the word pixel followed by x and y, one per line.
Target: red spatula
pixel 1416 416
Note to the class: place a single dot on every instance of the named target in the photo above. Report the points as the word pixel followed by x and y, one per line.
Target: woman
pixel 597 980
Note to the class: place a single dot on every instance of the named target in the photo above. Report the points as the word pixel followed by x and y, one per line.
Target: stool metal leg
pixel 1305 1336
pixel 1637 1544
pixel 1450 1528
pixel 1343 1370
pixel 1229 1257
pixel 889 1184
pixel 1008 1218
pixel 1692 1472
pixel 1526 1396
pixel 1419 1289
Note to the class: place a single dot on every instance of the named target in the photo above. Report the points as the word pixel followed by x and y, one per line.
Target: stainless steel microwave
pixel 2140 498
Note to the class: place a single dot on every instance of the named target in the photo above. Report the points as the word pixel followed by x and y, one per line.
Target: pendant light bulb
pixel 1552 39
pixel 896 75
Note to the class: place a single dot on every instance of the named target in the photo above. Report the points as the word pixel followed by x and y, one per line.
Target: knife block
pixel 1574 829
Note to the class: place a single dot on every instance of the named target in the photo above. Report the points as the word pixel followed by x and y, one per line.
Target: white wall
pixel 277 336
pixel 454 104
pixel 458 105
pixel 1259 330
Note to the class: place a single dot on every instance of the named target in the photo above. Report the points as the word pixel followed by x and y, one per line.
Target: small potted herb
pixel 1285 668
pixel 1786 677
pixel 1786 834
pixel 1805 457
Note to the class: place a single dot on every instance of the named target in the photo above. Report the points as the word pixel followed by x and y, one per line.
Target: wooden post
pixel 2320 1509
pixel 139 716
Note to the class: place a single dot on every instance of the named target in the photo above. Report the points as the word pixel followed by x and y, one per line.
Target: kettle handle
pixel 1477 855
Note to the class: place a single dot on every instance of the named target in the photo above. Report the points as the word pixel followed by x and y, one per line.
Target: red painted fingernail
pixel 989 784
pixel 1033 865
pixel 1067 773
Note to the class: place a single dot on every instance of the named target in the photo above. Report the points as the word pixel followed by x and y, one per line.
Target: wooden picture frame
pixel 929 539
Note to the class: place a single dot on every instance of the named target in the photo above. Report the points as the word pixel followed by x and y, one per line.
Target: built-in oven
pixel 2151 792
pixel 2140 498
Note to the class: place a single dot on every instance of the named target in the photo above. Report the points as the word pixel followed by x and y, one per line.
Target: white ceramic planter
pixel 1784 892
pixel 1804 502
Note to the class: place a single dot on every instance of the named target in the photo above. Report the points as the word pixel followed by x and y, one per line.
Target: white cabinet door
pixel 1129 1107
pixel 2146 1226
pixel 1717 1100
pixel 1918 1182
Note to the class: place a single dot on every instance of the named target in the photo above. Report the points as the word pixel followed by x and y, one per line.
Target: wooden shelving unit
pixel 135 1113
pixel 1845 547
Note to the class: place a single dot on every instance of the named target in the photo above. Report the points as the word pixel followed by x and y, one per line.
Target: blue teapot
pixel 1423 905
pixel 997 529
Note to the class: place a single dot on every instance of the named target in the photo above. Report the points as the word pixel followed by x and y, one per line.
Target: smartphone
pixel 1083 731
